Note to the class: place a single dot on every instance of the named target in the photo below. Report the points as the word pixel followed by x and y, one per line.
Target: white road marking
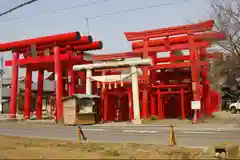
pixel 137 131
pixel 190 132
pixel 207 129
pixel 147 131
pixel 130 131
pixel 97 130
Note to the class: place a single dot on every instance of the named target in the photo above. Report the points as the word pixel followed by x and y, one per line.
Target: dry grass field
pixel 31 148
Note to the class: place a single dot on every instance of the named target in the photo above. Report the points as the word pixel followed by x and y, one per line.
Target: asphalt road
pixel 152 135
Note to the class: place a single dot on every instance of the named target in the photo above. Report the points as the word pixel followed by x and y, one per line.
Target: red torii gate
pixel 192 37
pixel 48 57
pixel 169 43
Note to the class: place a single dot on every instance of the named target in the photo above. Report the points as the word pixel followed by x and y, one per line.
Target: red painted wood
pixel 47 59
pixel 82 41
pixel 153 105
pixel 211 36
pixel 27 98
pixel 39 94
pixel 14 85
pixel 182 104
pixel 174 47
pixel 40 41
pixel 59 83
pixel 89 47
pixel 176 30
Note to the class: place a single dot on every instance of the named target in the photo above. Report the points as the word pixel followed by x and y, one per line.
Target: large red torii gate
pixel 195 37
pixel 48 56
pixel 168 40
pixel 55 53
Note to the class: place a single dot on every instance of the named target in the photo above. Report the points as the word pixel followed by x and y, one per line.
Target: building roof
pixel 47 86
pixel 82 96
pixel 7 80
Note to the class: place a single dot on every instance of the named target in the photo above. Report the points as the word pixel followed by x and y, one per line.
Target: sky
pixel 47 17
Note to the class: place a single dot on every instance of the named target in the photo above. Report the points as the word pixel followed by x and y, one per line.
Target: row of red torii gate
pixel 166 89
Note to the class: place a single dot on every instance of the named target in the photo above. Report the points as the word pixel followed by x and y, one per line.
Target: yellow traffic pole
pixel 79 135
pixel 172 140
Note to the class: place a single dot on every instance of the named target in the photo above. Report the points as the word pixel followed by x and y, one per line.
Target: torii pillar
pixel 59 83
pixel 28 90
pixel 39 94
pixel 14 85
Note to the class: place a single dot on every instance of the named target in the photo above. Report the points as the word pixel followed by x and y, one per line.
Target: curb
pixel 176 127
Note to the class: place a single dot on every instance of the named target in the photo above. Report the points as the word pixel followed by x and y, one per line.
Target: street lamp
pixel 1 82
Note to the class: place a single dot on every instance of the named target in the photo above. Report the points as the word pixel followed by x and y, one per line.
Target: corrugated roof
pixel 83 96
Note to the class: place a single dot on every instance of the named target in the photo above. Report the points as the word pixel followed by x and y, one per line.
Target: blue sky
pixel 109 29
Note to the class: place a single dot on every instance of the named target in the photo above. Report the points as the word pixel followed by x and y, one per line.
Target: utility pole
pixel 1 82
pixel 87 23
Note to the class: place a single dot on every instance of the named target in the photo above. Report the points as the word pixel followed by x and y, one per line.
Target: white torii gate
pixel 108 65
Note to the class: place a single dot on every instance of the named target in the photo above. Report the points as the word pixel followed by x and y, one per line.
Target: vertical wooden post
pixel 135 94
pixel 105 107
pixel 153 74
pixel 71 76
pixel 206 97
pixel 160 105
pixel 182 103
pixel 206 94
pixel 195 72
pixel 153 105
pixel 130 103
pixel 39 94
pixel 88 82
pixel 146 81
pixel 59 83
pixel 28 90
pixel 153 81
pixel 14 85
pixel 102 97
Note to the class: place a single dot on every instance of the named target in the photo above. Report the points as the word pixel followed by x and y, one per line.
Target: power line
pixel 106 14
pixel 17 7
pixel 55 10
pixel 131 10
pixel 137 9
pixel 7 3
pixel 93 3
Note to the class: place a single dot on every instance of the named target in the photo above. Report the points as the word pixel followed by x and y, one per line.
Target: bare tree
pixel 227 20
